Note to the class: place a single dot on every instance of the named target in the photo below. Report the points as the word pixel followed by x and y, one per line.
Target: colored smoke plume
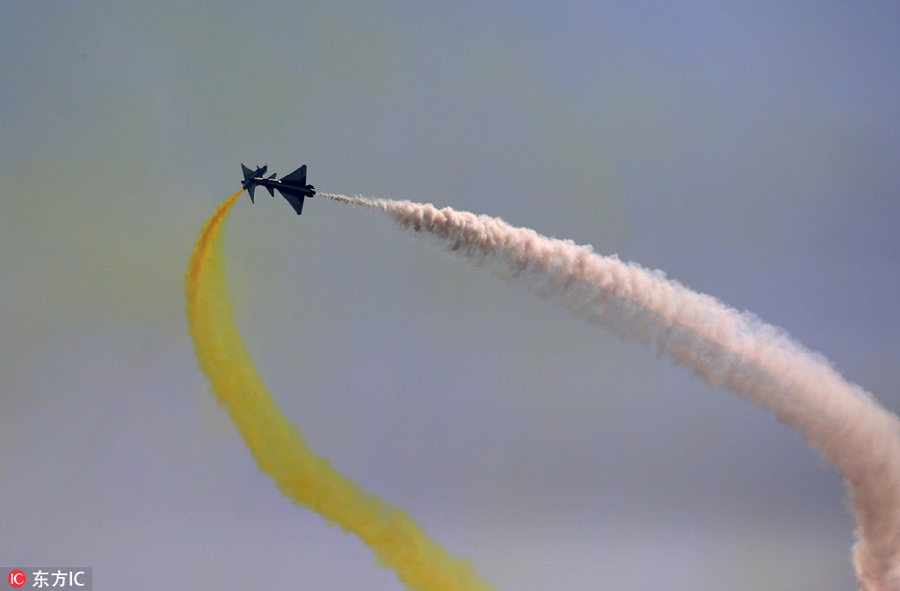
pixel 724 347
pixel 279 449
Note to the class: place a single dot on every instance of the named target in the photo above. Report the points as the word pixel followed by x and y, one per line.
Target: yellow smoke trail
pixel 279 449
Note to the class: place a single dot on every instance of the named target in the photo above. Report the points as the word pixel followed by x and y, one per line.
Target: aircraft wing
pixel 298 177
pixel 295 199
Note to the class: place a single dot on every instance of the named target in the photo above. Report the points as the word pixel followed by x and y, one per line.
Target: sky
pixel 747 149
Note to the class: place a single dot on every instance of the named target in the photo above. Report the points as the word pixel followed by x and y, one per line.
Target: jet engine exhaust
pixel 724 347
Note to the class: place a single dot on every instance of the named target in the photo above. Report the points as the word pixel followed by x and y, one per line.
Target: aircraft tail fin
pixel 247 184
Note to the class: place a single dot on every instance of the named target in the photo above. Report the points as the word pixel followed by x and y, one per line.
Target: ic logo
pixel 16 578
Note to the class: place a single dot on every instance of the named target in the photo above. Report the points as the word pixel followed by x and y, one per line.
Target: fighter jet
pixel 292 187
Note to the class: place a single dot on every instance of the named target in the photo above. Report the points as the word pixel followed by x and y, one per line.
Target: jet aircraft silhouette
pixel 292 187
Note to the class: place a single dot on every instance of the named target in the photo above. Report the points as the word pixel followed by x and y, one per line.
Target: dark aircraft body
pixel 292 187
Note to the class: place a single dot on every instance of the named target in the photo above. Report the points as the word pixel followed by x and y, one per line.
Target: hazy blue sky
pixel 748 149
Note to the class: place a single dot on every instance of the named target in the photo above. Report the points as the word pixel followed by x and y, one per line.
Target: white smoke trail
pixel 756 361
